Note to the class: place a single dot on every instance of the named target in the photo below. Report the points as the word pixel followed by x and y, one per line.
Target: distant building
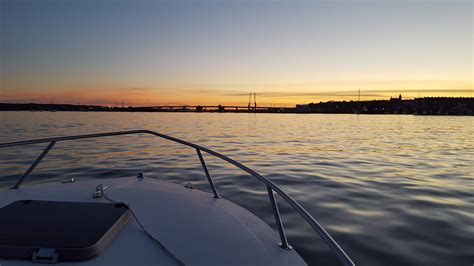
pixel 396 99
pixel 419 106
pixel 304 108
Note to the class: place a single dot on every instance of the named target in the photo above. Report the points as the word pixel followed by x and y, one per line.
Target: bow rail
pixel 271 187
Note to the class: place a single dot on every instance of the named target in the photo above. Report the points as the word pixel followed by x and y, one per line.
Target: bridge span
pixel 216 108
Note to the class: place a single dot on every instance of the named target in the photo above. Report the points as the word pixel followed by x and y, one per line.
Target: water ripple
pixel 392 190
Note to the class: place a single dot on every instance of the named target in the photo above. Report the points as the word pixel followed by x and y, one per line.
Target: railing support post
pixel 35 163
pixel 204 167
pixel 284 242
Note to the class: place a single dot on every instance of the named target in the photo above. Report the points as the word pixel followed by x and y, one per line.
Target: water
pixel 391 189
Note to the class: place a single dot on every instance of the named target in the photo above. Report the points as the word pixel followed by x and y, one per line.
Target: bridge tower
pixel 250 100
pixel 254 108
pixel 255 101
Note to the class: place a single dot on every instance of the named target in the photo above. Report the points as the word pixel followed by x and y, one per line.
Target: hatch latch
pixel 45 255
pixel 99 191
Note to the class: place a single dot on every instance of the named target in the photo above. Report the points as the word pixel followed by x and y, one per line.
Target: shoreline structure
pixel 417 106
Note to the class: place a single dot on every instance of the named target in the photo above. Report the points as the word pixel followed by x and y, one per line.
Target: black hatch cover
pixel 50 231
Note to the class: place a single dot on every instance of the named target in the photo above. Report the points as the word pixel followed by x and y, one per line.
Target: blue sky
pixel 152 52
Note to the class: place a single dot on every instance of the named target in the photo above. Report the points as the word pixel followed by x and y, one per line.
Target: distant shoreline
pixel 315 113
pixel 417 106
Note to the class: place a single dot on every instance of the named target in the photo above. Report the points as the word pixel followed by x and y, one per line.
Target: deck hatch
pixel 75 230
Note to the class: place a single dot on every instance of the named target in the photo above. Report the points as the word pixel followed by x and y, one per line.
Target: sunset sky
pixel 216 52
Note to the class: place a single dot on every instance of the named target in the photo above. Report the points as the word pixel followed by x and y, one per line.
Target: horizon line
pixel 119 104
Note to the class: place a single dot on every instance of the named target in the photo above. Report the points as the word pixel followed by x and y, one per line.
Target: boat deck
pixel 194 226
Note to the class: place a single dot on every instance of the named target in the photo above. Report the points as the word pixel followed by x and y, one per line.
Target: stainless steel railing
pixel 271 187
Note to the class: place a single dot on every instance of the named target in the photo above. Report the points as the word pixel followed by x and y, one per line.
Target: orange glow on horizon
pixel 267 94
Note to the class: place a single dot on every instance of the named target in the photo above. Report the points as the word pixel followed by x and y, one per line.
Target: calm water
pixel 392 190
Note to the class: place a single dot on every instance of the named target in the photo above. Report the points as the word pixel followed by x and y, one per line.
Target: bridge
pixel 215 108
